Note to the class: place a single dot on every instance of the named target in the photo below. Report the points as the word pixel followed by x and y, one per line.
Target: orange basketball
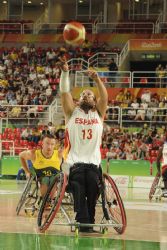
pixel 74 33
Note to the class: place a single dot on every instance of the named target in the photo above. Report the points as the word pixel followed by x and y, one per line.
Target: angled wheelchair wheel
pixel 154 186
pixel 51 202
pixel 114 203
pixel 26 195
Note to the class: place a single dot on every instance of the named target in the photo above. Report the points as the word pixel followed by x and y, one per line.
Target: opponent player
pixel 162 156
pixel 84 126
pixel 46 161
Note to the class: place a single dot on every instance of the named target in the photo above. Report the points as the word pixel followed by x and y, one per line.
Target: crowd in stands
pixel 161 75
pixel 117 143
pixel 18 139
pixel 30 75
pixel 125 144
pixel 147 106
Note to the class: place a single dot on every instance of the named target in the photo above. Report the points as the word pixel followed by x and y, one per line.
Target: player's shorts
pixel 46 175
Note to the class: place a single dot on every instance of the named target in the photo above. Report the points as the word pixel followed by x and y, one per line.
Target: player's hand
pixel 28 175
pixel 63 65
pixel 92 74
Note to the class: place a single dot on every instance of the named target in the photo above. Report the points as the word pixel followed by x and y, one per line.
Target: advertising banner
pixel 142 181
pixel 148 44
pixel 121 180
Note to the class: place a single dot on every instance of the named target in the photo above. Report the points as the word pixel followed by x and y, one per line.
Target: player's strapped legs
pixel 46 177
pixel 93 183
pixel 77 185
pixel 85 180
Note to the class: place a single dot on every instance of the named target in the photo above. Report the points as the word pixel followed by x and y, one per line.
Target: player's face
pixel 48 146
pixel 87 99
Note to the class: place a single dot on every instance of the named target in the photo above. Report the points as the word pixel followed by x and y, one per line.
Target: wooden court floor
pixel 146 225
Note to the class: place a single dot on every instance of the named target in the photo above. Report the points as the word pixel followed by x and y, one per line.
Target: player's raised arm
pixel 103 95
pixel 66 97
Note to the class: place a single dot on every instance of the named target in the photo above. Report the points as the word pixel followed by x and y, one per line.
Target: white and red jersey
pixel 84 133
pixel 164 154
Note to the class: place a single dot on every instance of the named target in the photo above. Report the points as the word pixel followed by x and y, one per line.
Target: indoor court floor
pixel 146 226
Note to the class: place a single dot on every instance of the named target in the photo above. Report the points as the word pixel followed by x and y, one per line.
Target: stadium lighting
pixel 4 2
pixel 137 1
pixel 29 2
pixel 80 1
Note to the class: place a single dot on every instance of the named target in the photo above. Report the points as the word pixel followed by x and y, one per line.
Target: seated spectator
pixel 120 96
pixel 45 131
pixel 111 154
pixel 36 135
pixel 131 114
pixel 51 128
pixel 48 92
pixel 146 96
pixel 135 104
pixel 2 112
pixel 44 82
pixel 113 68
pixel 13 101
pixel 143 151
pixel 32 112
pixel 15 112
pixel 26 134
pixel 141 113
pixel 104 151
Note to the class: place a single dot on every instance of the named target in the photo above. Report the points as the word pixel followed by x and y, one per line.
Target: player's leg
pixel 53 197
pixel 77 184
pixel 93 182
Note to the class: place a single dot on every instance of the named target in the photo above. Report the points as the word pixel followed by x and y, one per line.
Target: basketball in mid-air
pixel 74 33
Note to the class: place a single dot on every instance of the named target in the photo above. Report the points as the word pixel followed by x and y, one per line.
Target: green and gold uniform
pixel 46 167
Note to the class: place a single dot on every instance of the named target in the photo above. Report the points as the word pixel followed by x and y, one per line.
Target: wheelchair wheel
pixel 24 194
pixel 115 207
pixel 51 201
pixel 154 186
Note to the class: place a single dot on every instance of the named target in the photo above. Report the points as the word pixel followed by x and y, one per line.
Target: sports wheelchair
pixel 30 199
pixel 57 206
pixel 157 187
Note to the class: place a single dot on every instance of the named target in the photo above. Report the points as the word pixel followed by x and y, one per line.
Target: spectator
pixel 15 112
pixel 113 68
pixel 51 128
pixel 36 135
pixel 32 112
pixel 26 134
pixel 45 131
pixel 146 96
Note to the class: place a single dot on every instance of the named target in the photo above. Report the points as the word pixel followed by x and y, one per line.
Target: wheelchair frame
pixel 156 188
pixel 29 198
pixel 56 199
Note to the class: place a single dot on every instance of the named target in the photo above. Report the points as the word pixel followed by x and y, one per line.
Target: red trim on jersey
pixel 164 168
pixel 67 144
